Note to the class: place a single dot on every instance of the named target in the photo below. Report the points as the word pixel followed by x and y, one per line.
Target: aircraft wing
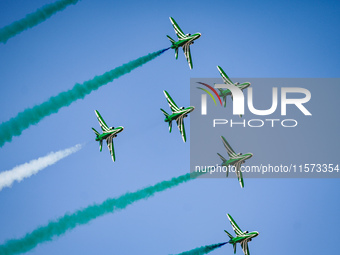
pixel 178 30
pixel 239 174
pixel 186 49
pixel 236 228
pixel 102 123
pixel 243 86
pixel 245 248
pixel 180 124
pixel 171 102
pixel 230 150
pixel 225 77
pixel 109 141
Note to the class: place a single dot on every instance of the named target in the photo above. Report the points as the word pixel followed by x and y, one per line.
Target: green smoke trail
pixel 83 216
pixel 33 115
pixel 203 250
pixel 33 19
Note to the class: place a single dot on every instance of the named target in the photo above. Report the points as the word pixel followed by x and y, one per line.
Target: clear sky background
pixel 246 38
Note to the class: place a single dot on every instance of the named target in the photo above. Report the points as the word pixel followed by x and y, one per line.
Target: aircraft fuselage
pixel 178 114
pixel 241 86
pixel 241 158
pixel 106 135
pixel 190 40
pixel 247 237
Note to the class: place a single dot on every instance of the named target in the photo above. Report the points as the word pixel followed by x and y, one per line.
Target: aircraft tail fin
pixel 223 160
pixel 221 157
pixel 170 126
pixel 230 241
pixel 166 117
pixel 165 113
pixel 230 236
pixel 101 141
pixel 173 43
pixel 171 40
pixel 96 132
pixel 225 101
pixel 100 145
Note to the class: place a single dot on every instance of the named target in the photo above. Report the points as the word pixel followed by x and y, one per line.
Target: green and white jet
pixel 184 41
pixel 178 114
pixel 241 237
pixel 108 135
pixel 235 160
pixel 226 92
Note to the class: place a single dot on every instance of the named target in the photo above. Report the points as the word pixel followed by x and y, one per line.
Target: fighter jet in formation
pixel 234 160
pixel 241 237
pixel 184 41
pixel 108 135
pixel 226 92
pixel 178 114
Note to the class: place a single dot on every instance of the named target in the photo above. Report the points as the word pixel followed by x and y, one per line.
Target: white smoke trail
pixel 26 170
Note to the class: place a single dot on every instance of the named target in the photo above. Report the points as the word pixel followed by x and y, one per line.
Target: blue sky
pixel 247 38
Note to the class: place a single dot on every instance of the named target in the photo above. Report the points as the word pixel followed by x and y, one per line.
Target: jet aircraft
pixel 234 160
pixel 178 114
pixel 184 41
pixel 241 237
pixel 226 92
pixel 108 135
